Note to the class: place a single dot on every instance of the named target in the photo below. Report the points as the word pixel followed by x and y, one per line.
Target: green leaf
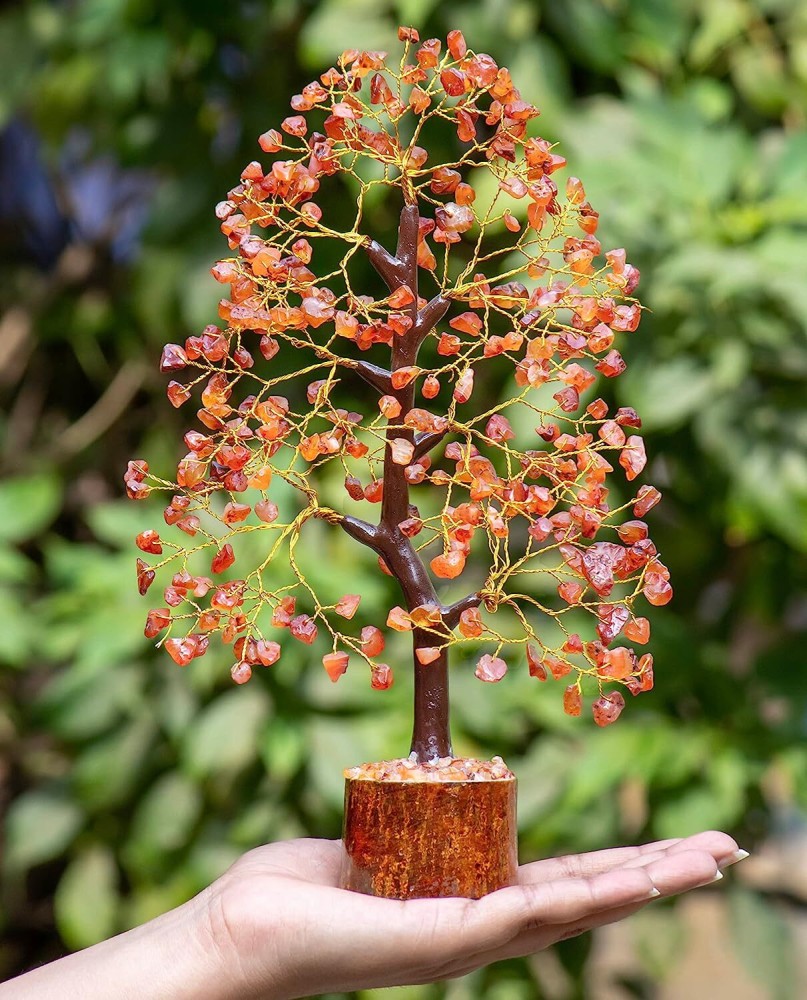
pixel 165 818
pixel 759 73
pixel 27 505
pixel 151 899
pixel 659 940
pixel 119 522
pixel 542 776
pixel 106 772
pixel 688 813
pixel 200 295
pixel 283 748
pixel 225 737
pixel 83 702
pixel 716 804
pixel 763 942
pixel 590 29
pixel 333 746
pixel 722 21
pixel 772 483
pixel 14 566
pixel 256 824
pixel 342 24
pixel 16 628
pixel 39 826
pixel 86 899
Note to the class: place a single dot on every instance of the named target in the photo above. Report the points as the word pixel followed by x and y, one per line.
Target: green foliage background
pixel 127 785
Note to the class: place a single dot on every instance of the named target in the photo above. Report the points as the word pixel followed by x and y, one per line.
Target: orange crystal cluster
pixel 439 769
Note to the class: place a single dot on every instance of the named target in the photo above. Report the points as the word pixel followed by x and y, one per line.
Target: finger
pixel 671 874
pixel 681 871
pixel 722 847
pixel 724 853
pixel 583 865
pixel 540 904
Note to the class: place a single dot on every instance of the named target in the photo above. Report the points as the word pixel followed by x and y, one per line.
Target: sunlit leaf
pixel 40 824
pixel 86 900
pixel 27 505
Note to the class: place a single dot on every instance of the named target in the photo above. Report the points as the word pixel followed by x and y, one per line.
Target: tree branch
pixel 430 315
pixel 363 532
pixel 427 440
pixel 452 612
pixel 104 412
pixel 388 267
pixel 378 378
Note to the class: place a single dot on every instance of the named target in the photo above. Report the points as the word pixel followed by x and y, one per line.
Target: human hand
pixel 281 926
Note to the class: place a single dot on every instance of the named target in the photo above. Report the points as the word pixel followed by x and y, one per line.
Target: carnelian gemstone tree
pixel 497 261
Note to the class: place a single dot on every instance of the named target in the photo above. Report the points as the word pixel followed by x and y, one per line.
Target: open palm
pixel 280 919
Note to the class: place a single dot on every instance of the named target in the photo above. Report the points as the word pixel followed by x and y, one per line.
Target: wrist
pixel 239 935
pixel 174 955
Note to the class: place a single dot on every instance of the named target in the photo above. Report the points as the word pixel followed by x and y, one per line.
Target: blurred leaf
pixel 200 295
pixel 717 804
pixel 14 567
pixel 27 505
pixel 118 523
pixel 209 857
pixel 16 632
pixel 39 825
pixel 138 59
pixel 106 773
pixel 86 900
pixel 660 939
pixel 591 31
pixel 341 24
pixel 81 703
pixel 722 21
pixel 394 993
pixel 164 819
pixel 177 703
pixel 667 394
pixel 542 776
pixel 88 582
pixel 283 748
pixel 225 736
pixel 256 825
pixel 333 746
pixel 763 942
pixel 758 72
pixel 152 899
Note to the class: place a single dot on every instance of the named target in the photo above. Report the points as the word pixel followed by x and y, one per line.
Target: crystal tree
pixel 493 266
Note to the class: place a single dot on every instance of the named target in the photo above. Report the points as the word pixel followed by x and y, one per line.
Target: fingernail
pixel 654 893
pixel 739 855
pixel 717 878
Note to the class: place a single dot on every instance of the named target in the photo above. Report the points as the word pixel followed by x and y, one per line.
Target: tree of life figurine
pixel 493 267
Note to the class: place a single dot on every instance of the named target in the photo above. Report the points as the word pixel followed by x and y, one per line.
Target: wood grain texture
pixel 408 840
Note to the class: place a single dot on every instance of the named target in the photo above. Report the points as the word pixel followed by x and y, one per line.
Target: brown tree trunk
pixel 431 735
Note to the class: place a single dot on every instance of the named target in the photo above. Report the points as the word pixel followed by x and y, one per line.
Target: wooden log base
pixel 417 839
